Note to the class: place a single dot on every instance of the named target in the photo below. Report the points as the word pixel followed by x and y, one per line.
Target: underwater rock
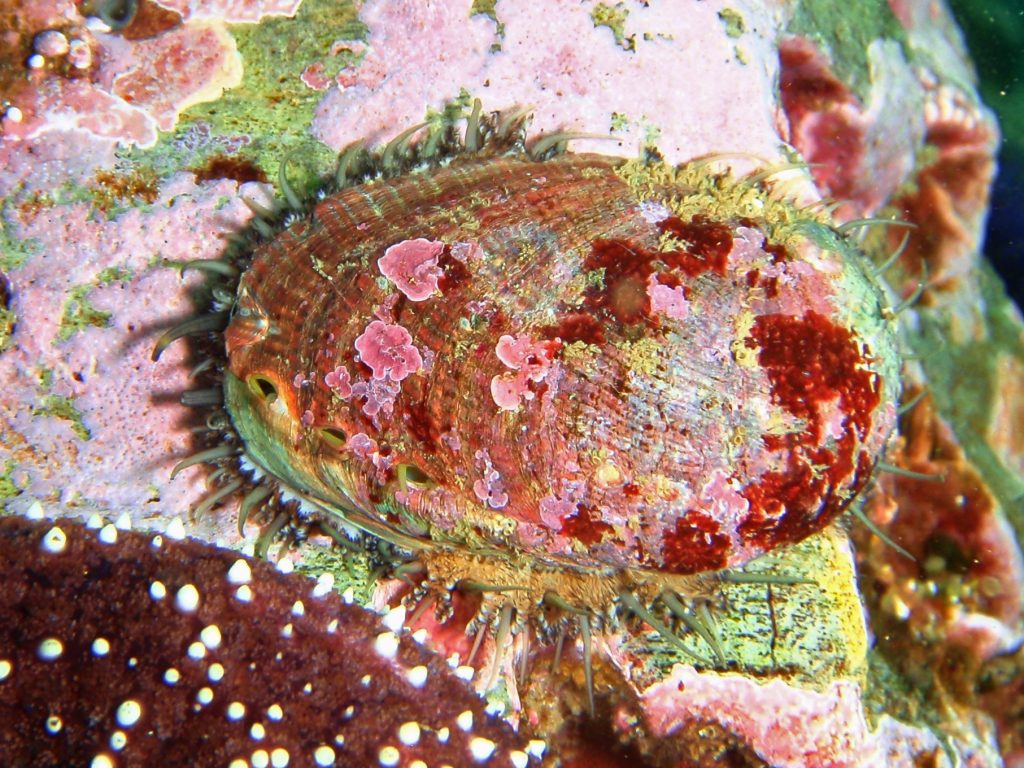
pixel 83 432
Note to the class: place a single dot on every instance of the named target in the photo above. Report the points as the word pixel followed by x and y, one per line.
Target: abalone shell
pixel 596 362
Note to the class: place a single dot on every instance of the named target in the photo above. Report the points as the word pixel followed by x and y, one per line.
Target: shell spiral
pixel 597 362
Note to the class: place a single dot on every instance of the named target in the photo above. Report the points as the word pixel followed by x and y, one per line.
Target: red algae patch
pixel 809 360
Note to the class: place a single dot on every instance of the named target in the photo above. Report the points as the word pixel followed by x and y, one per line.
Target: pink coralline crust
pixel 232 11
pixel 669 300
pixel 170 72
pixel 788 727
pixel 64 105
pixel 389 351
pixel 570 61
pixel 553 510
pixel 335 671
pixel 523 353
pixel 378 395
pixel 361 445
pixel 53 158
pixel 123 93
pixel 412 266
pixel 340 382
pixel 128 404
pixel 467 251
pixel 314 77
pixel 385 311
pixel 508 392
pixel 489 488
pixel 452 441
pixel 530 360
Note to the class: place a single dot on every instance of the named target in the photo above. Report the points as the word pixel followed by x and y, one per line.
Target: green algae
pixel 8 319
pixel 112 275
pixel 265 118
pixel 487 8
pixel 60 407
pixel 79 313
pixel 8 488
pixel 351 570
pixel 845 31
pixel 964 379
pixel 484 8
pixel 614 17
pixel 734 23
pixel 14 252
pixel 807 634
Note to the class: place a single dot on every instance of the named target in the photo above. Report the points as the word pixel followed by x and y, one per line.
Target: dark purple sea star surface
pixel 120 648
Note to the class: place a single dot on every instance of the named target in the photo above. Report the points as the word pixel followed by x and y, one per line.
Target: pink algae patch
pixel 340 382
pixel 315 77
pixel 234 11
pixel 786 725
pixel 377 395
pixel 489 489
pixel 530 360
pixel 389 351
pixel 412 266
pixel 182 67
pixel 467 251
pixel 669 300
pixel 554 509
pixel 362 445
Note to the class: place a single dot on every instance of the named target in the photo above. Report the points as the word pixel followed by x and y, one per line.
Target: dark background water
pixel 995 34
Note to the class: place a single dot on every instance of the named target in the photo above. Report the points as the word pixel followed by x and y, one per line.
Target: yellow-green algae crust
pixel 806 634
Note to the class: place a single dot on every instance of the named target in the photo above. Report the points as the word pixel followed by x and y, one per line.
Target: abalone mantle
pixel 595 362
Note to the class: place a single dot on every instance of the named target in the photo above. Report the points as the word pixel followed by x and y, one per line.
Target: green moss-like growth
pixel 7 321
pixel 79 313
pixel 112 275
pixel 614 17
pixel 13 252
pixel 351 570
pixel 845 31
pixel 733 20
pixel 60 407
pixel 8 488
pixel 249 130
pixel 488 8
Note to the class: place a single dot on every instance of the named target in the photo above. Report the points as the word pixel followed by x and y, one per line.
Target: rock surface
pixel 116 153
